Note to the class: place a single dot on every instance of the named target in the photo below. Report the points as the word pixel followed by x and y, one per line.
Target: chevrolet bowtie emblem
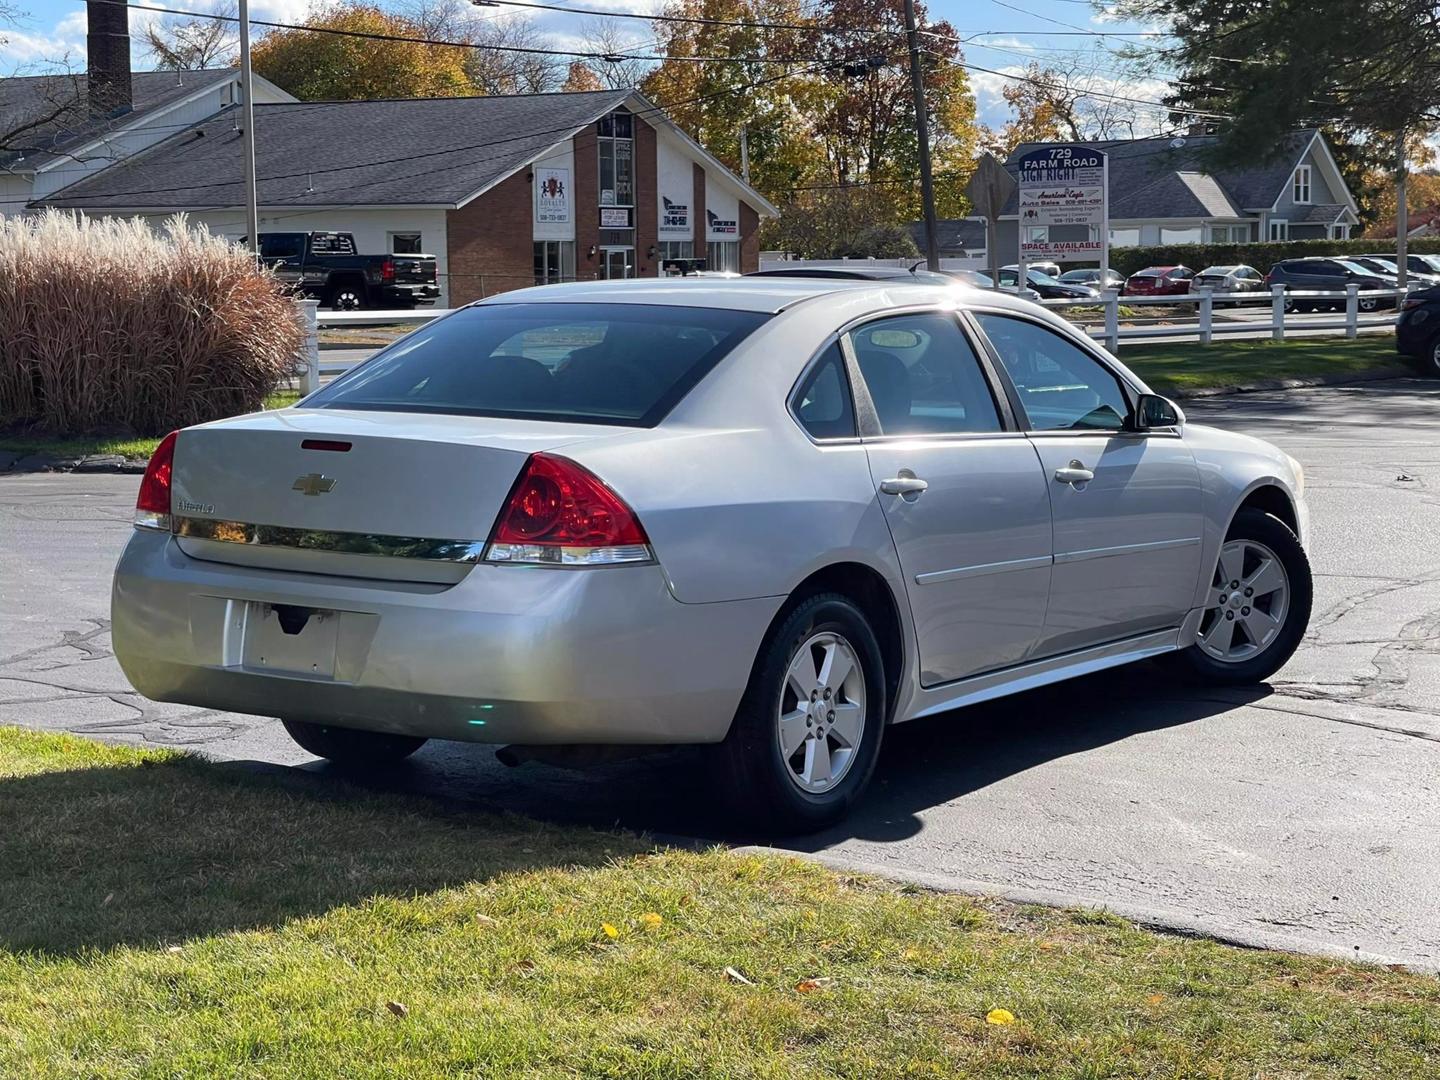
pixel 313 484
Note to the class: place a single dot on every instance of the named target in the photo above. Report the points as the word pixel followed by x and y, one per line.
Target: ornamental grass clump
pixel 109 326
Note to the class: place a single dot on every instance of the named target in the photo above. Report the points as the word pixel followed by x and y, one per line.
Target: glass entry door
pixel 617 262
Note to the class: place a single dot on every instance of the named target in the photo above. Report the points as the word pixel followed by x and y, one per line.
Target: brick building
pixel 505 192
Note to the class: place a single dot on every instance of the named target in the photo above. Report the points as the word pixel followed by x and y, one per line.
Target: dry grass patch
pixel 164 917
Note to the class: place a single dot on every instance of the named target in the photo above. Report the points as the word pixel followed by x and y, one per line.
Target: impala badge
pixel 313 484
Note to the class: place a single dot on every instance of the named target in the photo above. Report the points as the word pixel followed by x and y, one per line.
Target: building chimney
pixel 107 46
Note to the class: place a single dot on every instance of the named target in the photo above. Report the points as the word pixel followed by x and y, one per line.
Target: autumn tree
pixel 581 78
pixel 759 84
pixel 192 44
pixel 499 60
pixel 318 66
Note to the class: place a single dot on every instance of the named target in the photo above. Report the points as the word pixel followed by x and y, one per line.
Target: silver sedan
pixel 772 516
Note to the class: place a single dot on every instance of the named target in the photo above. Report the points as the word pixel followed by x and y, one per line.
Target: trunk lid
pixel 353 492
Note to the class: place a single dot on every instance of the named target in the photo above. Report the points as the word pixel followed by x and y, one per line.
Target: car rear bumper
pixel 508 655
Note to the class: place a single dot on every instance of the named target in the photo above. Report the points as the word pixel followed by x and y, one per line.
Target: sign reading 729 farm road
pixel 1062 187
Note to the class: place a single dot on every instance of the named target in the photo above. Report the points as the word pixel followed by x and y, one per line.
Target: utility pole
pixel 745 154
pixel 247 87
pixel 922 134
pixel 1402 211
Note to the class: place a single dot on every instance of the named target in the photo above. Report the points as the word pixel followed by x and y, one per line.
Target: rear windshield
pixel 592 363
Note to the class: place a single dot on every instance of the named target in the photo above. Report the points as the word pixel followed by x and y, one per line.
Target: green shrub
pixel 108 326
pixel 1261 256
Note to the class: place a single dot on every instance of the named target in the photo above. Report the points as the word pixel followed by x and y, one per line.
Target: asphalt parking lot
pixel 1305 814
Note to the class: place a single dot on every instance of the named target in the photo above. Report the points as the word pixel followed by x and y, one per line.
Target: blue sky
pixel 1002 35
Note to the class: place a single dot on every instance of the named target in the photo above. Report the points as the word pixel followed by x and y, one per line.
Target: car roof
pixel 750 293
pixel 871 273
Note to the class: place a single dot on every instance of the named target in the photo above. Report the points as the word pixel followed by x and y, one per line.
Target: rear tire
pixel 834 728
pixel 347 296
pixel 351 747
pixel 1231 651
pixel 1429 360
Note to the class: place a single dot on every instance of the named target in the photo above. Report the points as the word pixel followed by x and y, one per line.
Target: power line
pixel 441 43
pixel 663 18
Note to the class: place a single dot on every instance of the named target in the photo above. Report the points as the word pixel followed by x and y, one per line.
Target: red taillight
pixel 387 270
pixel 152 505
pixel 561 514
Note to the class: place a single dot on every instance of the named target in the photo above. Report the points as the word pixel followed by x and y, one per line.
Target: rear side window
pixel 822 402
pixel 623 364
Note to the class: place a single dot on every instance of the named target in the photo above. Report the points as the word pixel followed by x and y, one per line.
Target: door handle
pixel 907 485
pixel 1074 473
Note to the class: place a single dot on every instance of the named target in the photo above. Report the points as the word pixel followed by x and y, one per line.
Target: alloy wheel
pixel 347 300
pixel 821 719
pixel 1369 303
pixel 1249 599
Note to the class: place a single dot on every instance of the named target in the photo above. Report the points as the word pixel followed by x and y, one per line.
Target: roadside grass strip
pixel 161 916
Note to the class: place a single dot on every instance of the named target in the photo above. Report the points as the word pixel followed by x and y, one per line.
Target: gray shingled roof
pixel 59 100
pixel 1319 214
pixel 1150 178
pixel 954 235
pixel 346 153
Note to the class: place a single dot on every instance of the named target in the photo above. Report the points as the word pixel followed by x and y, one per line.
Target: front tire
pixel 351 747
pixel 806 737
pixel 1260 597
pixel 1429 360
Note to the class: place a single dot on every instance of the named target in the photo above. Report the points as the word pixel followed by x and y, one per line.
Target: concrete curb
pixel 13 463
pixel 1160 919
pixel 1379 374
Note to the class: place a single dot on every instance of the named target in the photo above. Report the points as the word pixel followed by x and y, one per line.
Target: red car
pixel 1159 281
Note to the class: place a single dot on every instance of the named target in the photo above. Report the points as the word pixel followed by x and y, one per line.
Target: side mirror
pixel 1154 411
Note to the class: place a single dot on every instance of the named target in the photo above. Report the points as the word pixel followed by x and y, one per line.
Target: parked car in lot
pixel 1048 287
pixel 1424 266
pixel 768 516
pixel 1232 279
pixel 977 280
pixel 328 267
pixel 1094 277
pixel 1390 269
pixel 1417 330
pixel 1316 272
pixel 1159 281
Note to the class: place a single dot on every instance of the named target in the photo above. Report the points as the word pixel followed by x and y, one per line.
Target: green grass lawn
pixel 125 446
pixel 1180 367
pixel 164 917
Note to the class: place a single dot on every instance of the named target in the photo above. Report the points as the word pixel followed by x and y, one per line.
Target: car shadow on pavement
pixel 923 763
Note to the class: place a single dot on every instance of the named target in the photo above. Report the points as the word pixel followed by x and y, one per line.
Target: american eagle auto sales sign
pixel 1062 187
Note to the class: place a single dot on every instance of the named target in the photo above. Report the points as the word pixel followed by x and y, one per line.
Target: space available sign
pixel 552 195
pixel 1064 186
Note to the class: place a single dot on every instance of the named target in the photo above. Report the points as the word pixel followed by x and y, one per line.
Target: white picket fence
pixel 1099 317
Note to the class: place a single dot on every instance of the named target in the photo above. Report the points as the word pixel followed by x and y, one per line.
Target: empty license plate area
pixel 290 639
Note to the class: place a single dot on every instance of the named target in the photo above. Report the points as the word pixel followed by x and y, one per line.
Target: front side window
pixel 625 364
pixel 1300 192
pixel 1062 387
pixel 923 376
pixel 822 402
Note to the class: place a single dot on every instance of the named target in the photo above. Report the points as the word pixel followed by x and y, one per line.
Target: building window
pixel 1339 232
pixel 677 249
pixel 405 243
pixel 1300 190
pixel 1180 236
pixel 1037 234
pixel 1229 234
pixel 1279 229
pixel 1124 238
pixel 615 139
pixel 554 261
pixel 723 255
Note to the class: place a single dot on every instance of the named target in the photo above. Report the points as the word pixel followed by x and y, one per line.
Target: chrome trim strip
pixel 347 543
pixel 1124 549
pixel 982 570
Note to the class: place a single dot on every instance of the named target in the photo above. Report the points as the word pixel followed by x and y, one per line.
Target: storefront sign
pixel 674 218
pixel 1064 187
pixel 721 226
pixel 614 217
pixel 552 195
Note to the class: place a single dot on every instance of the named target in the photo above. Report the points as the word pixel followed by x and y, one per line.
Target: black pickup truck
pixel 328 267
